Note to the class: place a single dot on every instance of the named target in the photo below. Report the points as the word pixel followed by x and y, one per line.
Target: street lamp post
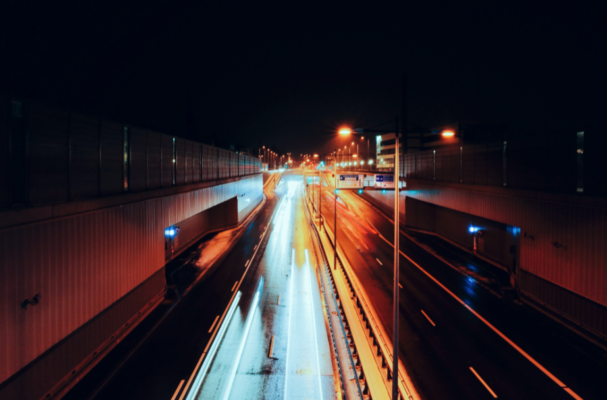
pixel 347 131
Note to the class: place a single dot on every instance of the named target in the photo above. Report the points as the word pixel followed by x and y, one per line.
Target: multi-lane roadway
pixel 459 340
pixel 275 344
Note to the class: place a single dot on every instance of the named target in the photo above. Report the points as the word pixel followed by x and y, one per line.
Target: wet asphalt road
pixel 289 311
pixel 446 349
pixel 170 353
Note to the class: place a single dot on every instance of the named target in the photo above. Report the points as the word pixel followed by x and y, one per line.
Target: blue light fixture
pixel 336 190
pixel 473 229
pixel 383 191
pixel 360 191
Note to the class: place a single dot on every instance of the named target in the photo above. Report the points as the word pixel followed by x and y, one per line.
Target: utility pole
pixel 396 268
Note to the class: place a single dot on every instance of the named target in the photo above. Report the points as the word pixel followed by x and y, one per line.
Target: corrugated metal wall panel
pixel 84 165
pixel 83 264
pixel 468 163
pixel 578 266
pixel 154 160
pixel 167 160
pixel 138 168
pixel 480 164
pixel 515 164
pixel 207 163
pixel 224 167
pixel 438 167
pixel 560 165
pixel 535 155
pixel 4 151
pixel 587 313
pixel 189 164
pixel 594 161
pixel 196 164
pixel 495 163
pixel 454 164
pixel 180 161
pixel 48 155
pixel 112 157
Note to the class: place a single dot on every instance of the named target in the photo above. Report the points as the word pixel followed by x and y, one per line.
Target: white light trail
pixel 308 267
pixel 244 339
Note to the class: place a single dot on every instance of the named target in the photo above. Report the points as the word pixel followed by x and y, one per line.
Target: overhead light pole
pixel 395 288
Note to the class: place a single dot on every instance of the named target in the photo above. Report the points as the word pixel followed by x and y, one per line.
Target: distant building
pixel 385 149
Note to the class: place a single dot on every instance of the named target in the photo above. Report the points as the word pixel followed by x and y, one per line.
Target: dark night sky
pixel 289 73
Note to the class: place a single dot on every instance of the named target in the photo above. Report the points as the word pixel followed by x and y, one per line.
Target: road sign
pixel 349 181
pixel 384 181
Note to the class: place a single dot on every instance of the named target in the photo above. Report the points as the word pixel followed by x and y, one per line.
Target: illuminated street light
pixel 345 131
pixel 448 133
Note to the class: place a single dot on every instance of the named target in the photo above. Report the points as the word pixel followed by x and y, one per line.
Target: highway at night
pixel 285 316
pixel 458 339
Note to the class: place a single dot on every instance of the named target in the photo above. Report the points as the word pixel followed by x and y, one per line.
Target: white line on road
pixel 426 315
pixel 235 296
pixel 178 389
pixel 214 322
pixel 246 264
pixel 379 261
pixel 255 248
pixel 234 287
pixel 493 328
pixel 483 382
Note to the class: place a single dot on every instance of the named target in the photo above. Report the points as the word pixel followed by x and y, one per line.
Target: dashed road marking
pixel 483 382
pixel 426 315
pixel 214 322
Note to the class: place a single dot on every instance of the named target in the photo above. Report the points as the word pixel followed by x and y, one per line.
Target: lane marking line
pixel 260 236
pixel 244 339
pixel 210 343
pixel 255 248
pixel 483 382
pixel 246 265
pixel 379 261
pixel 573 394
pixel 271 347
pixel 214 322
pixel 234 287
pixel 426 315
pixel 493 328
pixel 178 389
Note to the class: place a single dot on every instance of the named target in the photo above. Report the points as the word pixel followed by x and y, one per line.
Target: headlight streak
pixel 244 338
pixel 208 358
pixel 308 267
pixel 289 325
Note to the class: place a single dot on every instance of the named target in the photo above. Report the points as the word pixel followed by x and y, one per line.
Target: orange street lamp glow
pixel 447 133
pixel 355 155
pixel 345 131
pixel 315 155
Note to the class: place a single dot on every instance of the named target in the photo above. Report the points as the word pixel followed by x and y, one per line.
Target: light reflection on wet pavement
pixel 289 309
